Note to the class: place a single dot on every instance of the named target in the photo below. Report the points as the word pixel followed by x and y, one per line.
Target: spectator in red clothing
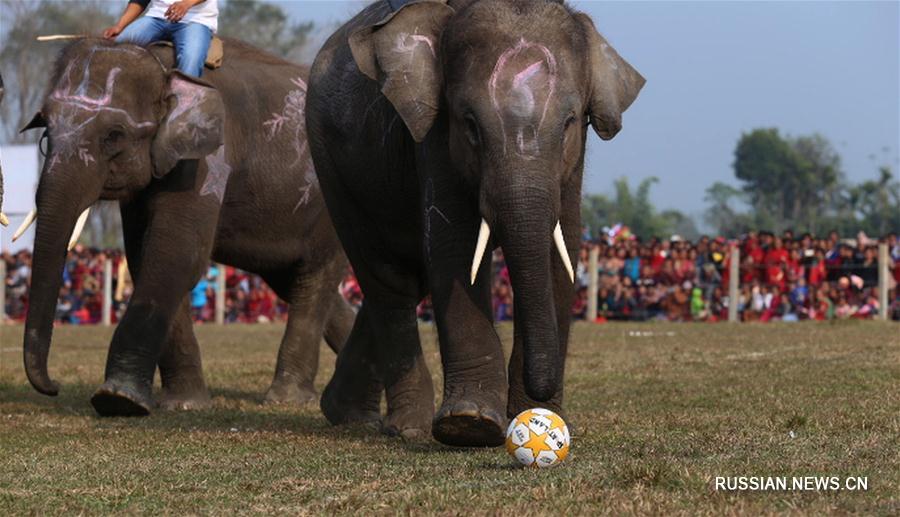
pixel 775 260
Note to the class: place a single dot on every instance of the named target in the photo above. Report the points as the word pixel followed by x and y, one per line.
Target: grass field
pixel 658 417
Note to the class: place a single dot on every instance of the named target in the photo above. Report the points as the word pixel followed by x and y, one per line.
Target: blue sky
pixel 716 69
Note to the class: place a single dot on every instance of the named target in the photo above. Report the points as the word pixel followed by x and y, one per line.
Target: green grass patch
pixel 657 416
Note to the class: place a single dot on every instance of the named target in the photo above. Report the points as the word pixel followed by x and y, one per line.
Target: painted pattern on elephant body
pixel 292 120
pixel 217 174
pixel 524 77
pixel 185 116
pixel 431 209
pixel 406 45
pixel 76 108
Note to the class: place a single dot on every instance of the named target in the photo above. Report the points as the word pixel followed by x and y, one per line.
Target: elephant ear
pixel 401 53
pixel 38 120
pixel 194 125
pixel 614 83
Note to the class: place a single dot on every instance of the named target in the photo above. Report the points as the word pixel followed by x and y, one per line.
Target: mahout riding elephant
pixel 217 167
pixel 438 132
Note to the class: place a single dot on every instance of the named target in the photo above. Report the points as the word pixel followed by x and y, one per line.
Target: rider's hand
pixel 177 10
pixel 112 32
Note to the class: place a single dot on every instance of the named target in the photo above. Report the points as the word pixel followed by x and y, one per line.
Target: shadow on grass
pixel 233 411
pixel 225 416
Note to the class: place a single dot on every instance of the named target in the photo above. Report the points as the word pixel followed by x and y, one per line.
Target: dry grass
pixel 658 417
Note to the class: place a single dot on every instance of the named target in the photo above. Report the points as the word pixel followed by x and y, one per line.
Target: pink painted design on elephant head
pixel 525 78
pixel 76 108
pixel 80 94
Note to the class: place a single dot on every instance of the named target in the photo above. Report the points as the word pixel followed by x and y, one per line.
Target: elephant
pixel 439 131
pixel 214 167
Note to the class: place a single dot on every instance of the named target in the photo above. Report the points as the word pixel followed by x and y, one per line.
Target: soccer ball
pixel 538 438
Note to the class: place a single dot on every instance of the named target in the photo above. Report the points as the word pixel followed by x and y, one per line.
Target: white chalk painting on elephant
pixel 77 109
pixel 292 121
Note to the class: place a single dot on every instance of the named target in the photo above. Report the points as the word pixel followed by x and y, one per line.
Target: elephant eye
pixel 114 136
pixel 113 141
pixel 472 132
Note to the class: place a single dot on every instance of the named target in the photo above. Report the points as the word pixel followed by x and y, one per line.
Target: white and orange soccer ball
pixel 538 438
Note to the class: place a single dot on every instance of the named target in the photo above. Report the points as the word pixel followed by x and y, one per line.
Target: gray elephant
pixel 216 168
pixel 439 131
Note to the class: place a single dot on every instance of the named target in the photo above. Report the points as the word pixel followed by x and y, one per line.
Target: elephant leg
pixel 383 350
pixel 175 245
pixel 298 355
pixel 340 322
pixel 407 381
pixel 353 394
pixel 474 401
pixel 472 411
pixel 180 367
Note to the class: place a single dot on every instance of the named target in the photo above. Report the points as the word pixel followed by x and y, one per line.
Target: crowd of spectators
pixel 782 277
pixel 247 299
pixel 81 294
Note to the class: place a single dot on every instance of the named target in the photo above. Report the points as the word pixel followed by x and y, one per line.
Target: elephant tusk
pixel 29 219
pixel 484 233
pixel 563 252
pixel 79 227
pixel 3 219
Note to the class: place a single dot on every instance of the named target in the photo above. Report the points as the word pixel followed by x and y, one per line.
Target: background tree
pixel 722 215
pixel 769 169
pixel 873 206
pixel 819 183
pixel 635 210
pixel 798 183
pixel 265 26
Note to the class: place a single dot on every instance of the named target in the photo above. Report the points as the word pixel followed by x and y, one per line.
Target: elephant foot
pixel 411 425
pixel 410 403
pixel 172 400
pixel 290 393
pixel 468 423
pixel 341 408
pixel 117 399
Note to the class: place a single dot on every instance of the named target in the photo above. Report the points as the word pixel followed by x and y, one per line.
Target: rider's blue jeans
pixel 191 40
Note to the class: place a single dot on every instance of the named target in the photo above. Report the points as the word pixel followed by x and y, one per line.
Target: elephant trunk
pixel 525 218
pixel 57 210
